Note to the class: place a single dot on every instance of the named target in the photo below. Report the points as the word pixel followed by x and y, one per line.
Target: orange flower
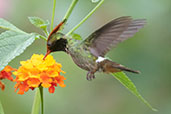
pixel 37 72
pixel 6 74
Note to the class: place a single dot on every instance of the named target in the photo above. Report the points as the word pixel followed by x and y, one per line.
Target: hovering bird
pixel 89 54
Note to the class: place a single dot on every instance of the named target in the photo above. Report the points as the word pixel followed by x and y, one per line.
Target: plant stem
pixel 36 103
pixel 41 97
pixel 53 14
pixel 85 18
pixel 46 32
pixel 71 7
pixel 69 11
pixel 43 37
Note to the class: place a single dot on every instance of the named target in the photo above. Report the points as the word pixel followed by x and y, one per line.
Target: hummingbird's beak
pixel 47 53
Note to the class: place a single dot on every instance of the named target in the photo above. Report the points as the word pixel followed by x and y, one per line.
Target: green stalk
pixel 69 11
pixel 85 18
pixel 36 103
pixel 46 32
pixel 53 14
pixel 41 97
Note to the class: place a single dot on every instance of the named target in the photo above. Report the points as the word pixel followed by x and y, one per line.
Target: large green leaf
pixel 124 80
pixel 13 44
pixel 1 109
pixel 8 26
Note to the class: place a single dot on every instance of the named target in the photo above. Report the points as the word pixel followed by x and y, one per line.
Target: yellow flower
pixel 37 72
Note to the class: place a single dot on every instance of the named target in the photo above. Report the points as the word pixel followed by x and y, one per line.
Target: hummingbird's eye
pixel 49 44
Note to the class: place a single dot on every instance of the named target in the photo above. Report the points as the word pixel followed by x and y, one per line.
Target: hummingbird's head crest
pixel 56 42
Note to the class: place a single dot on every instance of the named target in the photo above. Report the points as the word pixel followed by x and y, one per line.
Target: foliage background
pixel 148 51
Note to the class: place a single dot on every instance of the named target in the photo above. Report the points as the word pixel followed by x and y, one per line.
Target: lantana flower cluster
pixel 6 74
pixel 37 72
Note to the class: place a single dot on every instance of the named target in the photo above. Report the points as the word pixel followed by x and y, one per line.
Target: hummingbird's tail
pixel 127 69
pixel 110 67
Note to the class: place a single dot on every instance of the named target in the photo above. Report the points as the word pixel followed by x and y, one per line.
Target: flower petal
pixel 33 82
pixel 23 87
pixel 2 86
pixel 51 89
pixel 46 80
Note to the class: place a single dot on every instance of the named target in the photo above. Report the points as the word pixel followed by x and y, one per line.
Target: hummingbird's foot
pixel 90 76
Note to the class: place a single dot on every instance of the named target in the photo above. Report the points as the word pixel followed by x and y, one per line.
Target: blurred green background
pixel 148 51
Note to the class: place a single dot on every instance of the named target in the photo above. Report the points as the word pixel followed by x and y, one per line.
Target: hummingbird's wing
pixel 108 36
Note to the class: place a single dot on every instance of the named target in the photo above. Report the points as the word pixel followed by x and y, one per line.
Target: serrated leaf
pixel 38 22
pixel 124 80
pixel 76 36
pixel 1 109
pixel 94 1
pixel 8 26
pixel 13 44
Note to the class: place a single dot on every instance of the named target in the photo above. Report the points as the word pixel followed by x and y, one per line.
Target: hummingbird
pixel 89 54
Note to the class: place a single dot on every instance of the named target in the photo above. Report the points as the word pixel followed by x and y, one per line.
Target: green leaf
pixel 124 80
pixel 8 26
pixel 36 103
pixel 76 36
pixel 38 22
pixel 1 109
pixel 13 44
